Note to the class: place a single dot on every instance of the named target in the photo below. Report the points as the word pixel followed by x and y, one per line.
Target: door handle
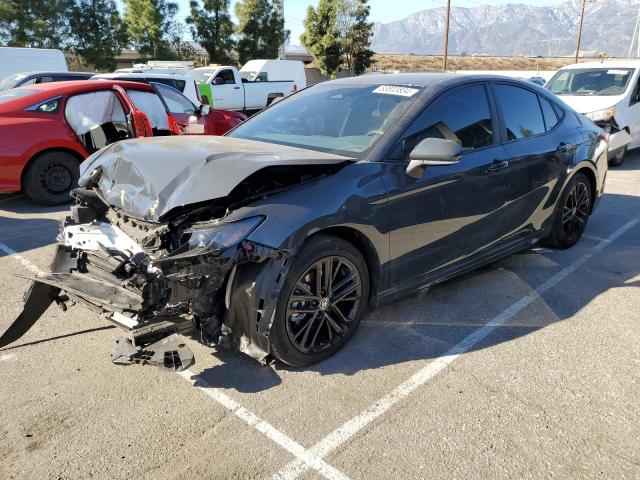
pixel 236 88
pixel 497 165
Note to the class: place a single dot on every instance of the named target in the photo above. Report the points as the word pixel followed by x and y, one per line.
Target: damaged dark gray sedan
pixel 277 237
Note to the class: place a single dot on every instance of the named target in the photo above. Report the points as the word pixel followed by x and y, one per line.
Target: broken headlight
pixel 222 235
pixel 601 115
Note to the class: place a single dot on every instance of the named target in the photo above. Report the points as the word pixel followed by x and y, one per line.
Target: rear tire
pixel 50 178
pixel 572 213
pixel 335 303
pixel 618 159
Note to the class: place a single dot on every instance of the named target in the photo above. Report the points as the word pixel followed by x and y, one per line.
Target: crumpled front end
pixel 159 280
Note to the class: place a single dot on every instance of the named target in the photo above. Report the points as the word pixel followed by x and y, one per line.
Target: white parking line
pixel 353 426
pixel 33 268
pixel 275 435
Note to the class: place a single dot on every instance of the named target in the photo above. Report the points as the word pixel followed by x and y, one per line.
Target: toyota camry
pixel 280 235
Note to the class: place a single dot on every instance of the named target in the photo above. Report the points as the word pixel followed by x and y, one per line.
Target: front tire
pixel 572 213
pixel 50 178
pixel 321 302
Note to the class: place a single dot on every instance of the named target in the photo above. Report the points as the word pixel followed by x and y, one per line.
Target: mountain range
pixel 513 29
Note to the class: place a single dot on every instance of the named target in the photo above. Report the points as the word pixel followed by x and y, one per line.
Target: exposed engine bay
pixel 192 272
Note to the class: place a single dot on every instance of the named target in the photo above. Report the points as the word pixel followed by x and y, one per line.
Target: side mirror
pixel 433 152
pixel 218 81
pixel 204 109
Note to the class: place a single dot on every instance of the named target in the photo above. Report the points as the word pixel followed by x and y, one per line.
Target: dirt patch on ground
pixel 423 63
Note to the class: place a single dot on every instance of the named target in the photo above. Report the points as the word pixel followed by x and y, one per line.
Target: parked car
pixel 17 59
pixel 274 70
pixel 608 93
pixel 183 83
pixel 224 87
pixel 46 130
pixel 350 194
pixel 33 78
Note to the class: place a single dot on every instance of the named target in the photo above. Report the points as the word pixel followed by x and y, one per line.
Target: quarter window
pixel 461 114
pixel 549 113
pixel 521 110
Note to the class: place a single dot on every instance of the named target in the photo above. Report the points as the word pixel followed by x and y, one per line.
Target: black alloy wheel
pixel 572 213
pixel 575 211
pixel 321 303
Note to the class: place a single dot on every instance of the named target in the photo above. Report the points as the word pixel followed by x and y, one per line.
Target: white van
pixel 17 60
pixel 275 71
pixel 608 93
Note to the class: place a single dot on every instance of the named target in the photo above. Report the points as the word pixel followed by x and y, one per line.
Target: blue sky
pixel 381 10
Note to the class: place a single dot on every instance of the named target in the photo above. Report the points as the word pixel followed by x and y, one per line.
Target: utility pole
pixel 580 30
pixel 633 37
pixel 446 37
pixel 280 8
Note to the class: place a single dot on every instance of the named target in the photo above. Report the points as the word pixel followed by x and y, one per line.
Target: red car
pixel 46 130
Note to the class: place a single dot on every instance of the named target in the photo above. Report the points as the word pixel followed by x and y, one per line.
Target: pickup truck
pixel 224 88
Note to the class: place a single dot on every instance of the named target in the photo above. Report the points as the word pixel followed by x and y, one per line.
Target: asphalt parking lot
pixel 528 368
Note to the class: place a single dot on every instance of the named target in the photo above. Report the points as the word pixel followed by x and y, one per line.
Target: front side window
pixel 98 119
pixel 592 81
pixel 151 105
pixel 176 102
pixel 342 119
pixel 521 111
pixel 44 79
pixel 227 76
pixel 461 114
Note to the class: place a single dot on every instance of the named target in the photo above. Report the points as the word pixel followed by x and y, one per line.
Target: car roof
pixel 45 91
pixel 142 75
pixel 605 64
pixel 426 79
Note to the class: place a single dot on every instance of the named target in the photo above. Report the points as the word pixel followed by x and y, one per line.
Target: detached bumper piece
pixel 170 353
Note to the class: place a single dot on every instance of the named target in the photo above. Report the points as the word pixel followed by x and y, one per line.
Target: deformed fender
pixel 38 299
pixel 252 304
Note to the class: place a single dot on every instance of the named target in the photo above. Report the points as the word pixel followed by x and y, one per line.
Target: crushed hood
pixel 147 178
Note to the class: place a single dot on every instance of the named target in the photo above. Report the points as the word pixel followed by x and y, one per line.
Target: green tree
pixel 321 37
pixel 98 32
pixel 260 29
pixel 148 22
pixel 212 28
pixel 35 23
pixel 357 37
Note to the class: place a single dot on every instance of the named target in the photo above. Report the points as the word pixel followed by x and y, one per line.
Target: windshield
pixel 341 119
pixel 592 81
pixel 201 75
pixel 11 81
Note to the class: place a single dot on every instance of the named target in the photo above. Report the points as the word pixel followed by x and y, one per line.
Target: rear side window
pixel 521 111
pixel 152 106
pixel 549 113
pixel 176 102
pixel 461 114
pixel 97 118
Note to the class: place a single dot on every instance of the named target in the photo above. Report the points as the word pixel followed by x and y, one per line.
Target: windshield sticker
pixel 617 72
pixel 395 90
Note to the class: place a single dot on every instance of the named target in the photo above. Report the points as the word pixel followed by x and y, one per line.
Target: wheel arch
pixel 35 156
pixel 364 246
pixel 590 174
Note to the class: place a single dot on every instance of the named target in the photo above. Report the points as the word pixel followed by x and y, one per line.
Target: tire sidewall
pixel 31 181
pixel 561 240
pixel 316 248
